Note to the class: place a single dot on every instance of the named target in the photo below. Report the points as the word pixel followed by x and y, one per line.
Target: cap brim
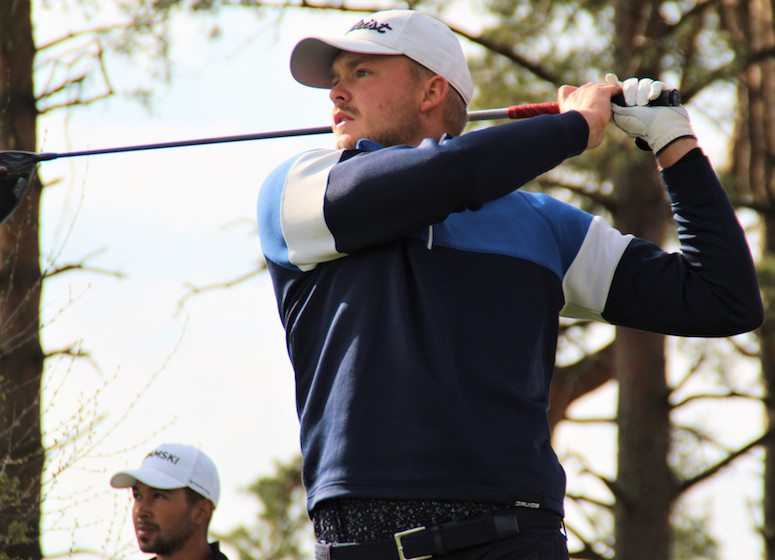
pixel 312 58
pixel 154 479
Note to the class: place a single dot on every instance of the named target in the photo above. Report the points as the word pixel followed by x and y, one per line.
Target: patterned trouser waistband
pixel 351 520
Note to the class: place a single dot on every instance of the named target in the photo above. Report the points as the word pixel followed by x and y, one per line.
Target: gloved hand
pixel 655 126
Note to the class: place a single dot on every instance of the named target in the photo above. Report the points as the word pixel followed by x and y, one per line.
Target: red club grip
pixel 533 109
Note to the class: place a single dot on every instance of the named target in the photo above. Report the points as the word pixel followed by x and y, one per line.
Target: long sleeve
pixel 709 286
pixel 325 204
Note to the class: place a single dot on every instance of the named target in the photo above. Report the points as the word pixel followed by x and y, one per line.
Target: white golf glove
pixel 657 126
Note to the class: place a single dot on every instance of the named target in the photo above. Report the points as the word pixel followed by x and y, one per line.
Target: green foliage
pixel 692 539
pixel 282 527
pixel 16 524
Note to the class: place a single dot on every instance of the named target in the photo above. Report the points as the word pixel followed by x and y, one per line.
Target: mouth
pixel 341 118
pixel 145 529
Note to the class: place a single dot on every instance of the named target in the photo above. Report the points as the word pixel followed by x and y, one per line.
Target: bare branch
pixel 588 548
pixel 586 552
pixel 740 349
pixel 72 351
pixel 194 290
pixel 591 420
pixel 50 273
pixel 700 436
pixel 76 103
pixel 588 500
pixel 77 82
pixel 508 51
pixel 607 202
pixel 691 370
pixel 718 396
pixel 684 486
pixel 101 30
pixel 610 484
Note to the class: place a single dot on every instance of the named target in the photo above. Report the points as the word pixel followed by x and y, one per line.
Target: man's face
pixel 376 97
pixel 162 519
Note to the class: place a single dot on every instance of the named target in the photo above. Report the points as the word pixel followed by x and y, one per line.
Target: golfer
pixel 175 492
pixel 420 291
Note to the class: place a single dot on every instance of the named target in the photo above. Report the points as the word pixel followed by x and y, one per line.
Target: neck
pixel 195 549
pixel 433 127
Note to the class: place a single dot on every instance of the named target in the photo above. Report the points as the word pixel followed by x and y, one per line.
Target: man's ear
pixel 434 94
pixel 202 512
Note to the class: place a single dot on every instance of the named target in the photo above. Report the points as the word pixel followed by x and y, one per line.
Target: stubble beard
pixel 405 128
pixel 165 545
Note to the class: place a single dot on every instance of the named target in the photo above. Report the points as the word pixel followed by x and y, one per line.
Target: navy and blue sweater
pixel 420 293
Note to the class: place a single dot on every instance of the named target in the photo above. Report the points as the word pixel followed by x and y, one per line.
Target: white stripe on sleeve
pixel 589 277
pixel 304 227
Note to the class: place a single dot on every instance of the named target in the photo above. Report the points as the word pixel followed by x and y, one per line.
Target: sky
pixel 209 370
pixel 213 372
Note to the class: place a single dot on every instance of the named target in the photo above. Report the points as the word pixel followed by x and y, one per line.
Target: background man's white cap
pixel 174 465
pixel 414 34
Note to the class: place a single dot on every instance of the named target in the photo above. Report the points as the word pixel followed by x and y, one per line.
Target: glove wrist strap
pixel 663 148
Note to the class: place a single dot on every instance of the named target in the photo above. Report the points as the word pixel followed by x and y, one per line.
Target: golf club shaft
pixel 18 167
pixel 666 98
pixel 513 112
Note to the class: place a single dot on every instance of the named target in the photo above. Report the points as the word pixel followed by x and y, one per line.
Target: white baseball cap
pixel 417 35
pixel 174 465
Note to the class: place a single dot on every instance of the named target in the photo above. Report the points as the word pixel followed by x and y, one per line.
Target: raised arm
pixel 326 204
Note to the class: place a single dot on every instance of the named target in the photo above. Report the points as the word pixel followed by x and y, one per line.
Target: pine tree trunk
pixel 21 358
pixel 644 488
pixel 768 374
pixel 750 26
pixel 645 491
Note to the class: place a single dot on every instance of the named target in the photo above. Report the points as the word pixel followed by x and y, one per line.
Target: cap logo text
pixel 371 24
pixel 164 456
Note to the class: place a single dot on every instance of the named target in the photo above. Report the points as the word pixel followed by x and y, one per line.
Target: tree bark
pixel 750 27
pixel 644 489
pixel 21 357
pixel 768 373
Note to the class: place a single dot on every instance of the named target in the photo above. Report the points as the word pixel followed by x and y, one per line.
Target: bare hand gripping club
pixel 20 165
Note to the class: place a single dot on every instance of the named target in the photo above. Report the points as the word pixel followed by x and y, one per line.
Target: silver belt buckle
pixel 399 545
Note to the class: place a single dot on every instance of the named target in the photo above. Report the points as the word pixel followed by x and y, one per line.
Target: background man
pixel 175 492
pixel 420 291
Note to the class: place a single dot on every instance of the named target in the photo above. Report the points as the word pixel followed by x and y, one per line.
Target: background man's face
pixel 162 519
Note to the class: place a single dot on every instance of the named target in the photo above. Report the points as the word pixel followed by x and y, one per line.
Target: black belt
pixel 420 543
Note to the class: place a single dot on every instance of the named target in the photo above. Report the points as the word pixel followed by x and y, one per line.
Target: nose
pixel 339 93
pixel 141 509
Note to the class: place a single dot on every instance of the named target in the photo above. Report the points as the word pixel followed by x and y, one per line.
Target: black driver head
pixel 17 170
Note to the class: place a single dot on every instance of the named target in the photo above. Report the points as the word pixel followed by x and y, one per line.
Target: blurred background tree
pixel 282 530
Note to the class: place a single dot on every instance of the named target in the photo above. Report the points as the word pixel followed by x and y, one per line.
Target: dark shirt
pixel 421 293
pixel 216 552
